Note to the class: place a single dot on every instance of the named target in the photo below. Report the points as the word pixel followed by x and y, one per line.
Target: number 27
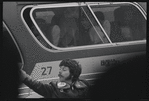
pixel 46 70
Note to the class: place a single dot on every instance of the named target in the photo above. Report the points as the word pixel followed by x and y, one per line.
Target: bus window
pixel 126 22
pixel 96 34
pixel 69 26
pixel 42 25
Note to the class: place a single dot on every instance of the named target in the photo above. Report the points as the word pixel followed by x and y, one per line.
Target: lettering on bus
pixel 109 62
pixel 46 70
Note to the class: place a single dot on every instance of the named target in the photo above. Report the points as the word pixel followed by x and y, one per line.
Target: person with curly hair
pixel 68 86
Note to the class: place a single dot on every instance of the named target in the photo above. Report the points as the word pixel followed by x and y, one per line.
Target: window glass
pixel 121 22
pixel 96 34
pixel 69 26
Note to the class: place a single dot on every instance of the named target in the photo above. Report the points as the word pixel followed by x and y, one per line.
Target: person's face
pixel 64 74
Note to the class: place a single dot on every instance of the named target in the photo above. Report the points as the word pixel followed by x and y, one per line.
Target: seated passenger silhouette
pixel 93 31
pixel 54 31
pixel 135 22
pixel 68 27
pixel 55 35
pixel 124 23
pixel 128 25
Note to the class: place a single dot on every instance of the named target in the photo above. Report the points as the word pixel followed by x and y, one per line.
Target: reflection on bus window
pixel 126 22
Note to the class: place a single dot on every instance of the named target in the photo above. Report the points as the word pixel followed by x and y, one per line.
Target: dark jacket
pixel 78 90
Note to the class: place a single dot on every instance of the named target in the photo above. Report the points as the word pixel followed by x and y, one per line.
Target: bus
pixel 97 34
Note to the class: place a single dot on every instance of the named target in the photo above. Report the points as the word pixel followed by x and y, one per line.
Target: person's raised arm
pixel 40 88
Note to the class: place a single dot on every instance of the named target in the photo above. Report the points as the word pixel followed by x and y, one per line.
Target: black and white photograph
pixel 68 50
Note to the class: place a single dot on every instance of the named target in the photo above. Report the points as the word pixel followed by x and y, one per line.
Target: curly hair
pixel 74 67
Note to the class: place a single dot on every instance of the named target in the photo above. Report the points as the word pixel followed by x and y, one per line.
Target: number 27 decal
pixel 46 70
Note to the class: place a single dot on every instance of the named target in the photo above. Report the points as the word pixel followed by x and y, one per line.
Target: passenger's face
pixel 64 74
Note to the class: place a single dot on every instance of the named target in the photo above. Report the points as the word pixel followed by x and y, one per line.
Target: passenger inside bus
pixel 106 25
pixel 53 33
pixel 85 25
pixel 128 26
pixel 133 19
pixel 68 27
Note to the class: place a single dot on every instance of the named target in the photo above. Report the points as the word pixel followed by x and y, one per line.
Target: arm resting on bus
pixel 38 87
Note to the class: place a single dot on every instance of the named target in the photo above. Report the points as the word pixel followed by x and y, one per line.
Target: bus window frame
pixel 141 4
pixel 92 24
pixel 30 31
pixel 135 4
pixel 139 7
pixel 105 33
pixel 58 49
pixel 142 12
pixel 54 6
